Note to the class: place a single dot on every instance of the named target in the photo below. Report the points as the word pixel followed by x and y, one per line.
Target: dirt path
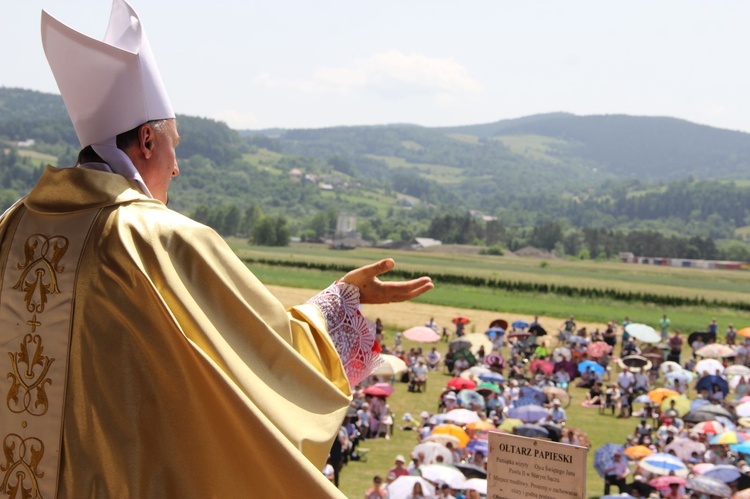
pixel 399 316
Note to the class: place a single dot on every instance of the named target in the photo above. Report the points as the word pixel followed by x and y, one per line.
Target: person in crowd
pixel 418 375
pixel 730 337
pixel 616 474
pixel 557 414
pixel 664 324
pixel 416 492
pixel 398 469
pixel 432 324
pixel 643 430
pixel 433 359
pixel 377 491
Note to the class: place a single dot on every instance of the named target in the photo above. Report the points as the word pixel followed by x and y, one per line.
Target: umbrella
pixel 555 392
pixel 492 377
pixel 519 334
pixel 663 482
pixel 422 334
pixel 461 320
pixel 528 413
pixel 460 383
pixel 555 431
pixel 544 366
pixel 636 361
pixel 637 452
pixel 591 365
pixel 441 473
pixel 480 425
pixel 442 439
pixel 729 438
pixel 744 332
pixel 716 410
pixel 532 393
pixel 670 366
pixel 623 495
pixel 462 416
pixel 642 399
pixel 659 394
pixel 538 330
pixel 547 341
pixel 501 323
pixel 402 487
pixel 698 417
pixel 708 366
pixel 716 351
pixel 724 473
pixel 520 324
pixel 561 353
pixel 642 332
pixel 475 341
pixel 474 372
pixel 701 468
pixel 707 485
pixel 477 445
pixel 708 382
pixel 568 366
pixel 696 404
pixel 459 344
pixel 737 370
pixel 681 404
pixel 469 398
pixel 708 427
pixel 478 484
pixel 431 449
pixel 509 423
pixel 494 360
pixel 683 375
pixel 684 447
pixel 743 448
pixel 474 474
pixel 531 431
pixel 494 332
pixel 485 388
pixel 604 457
pixel 390 366
pixel 743 410
pixel 379 390
pixel 454 431
pixel 663 464
pixel 598 349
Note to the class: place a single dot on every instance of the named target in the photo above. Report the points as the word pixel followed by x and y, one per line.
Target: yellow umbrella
pixel 744 422
pixel 509 424
pixel 660 394
pixel 638 452
pixel 744 332
pixel 681 404
pixel 453 430
pixel 480 426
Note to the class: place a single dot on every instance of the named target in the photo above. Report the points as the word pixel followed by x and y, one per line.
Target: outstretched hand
pixel 373 290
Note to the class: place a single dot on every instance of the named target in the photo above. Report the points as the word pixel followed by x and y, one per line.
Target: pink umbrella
pixel 598 349
pixel 701 468
pixel 544 366
pixel 461 383
pixel 709 427
pixel 422 334
pixel 663 482
pixel 379 390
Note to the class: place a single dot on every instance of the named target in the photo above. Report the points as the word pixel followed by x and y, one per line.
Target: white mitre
pixel 109 86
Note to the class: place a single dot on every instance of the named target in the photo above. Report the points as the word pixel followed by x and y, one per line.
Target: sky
pixel 313 64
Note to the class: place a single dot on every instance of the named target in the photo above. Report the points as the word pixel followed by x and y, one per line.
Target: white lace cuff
pixel 353 335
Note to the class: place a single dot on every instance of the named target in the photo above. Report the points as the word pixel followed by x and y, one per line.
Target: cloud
pixel 390 74
pixel 237 120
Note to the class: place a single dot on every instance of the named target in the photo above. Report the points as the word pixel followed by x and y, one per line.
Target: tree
pixel 271 231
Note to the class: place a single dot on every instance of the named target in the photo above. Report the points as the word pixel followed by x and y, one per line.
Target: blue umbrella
pixel 468 397
pixel 494 332
pixel 708 485
pixel 578 339
pixel 707 383
pixel 742 448
pixel 520 325
pixel 475 446
pixel 534 393
pixel 661 463
pixel 492 377
pixel 697 403
pixel 596 368
pixel 528 413
pixel 604 457
pixel 724 472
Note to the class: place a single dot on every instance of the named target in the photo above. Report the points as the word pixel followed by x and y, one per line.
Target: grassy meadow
pixel 294 286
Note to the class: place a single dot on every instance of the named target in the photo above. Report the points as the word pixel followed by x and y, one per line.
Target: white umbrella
pixel 561 353
pixel 663 464
pixel 708 366
pixel 431 449
pixel 477 340
pixel 391 366
pixel 402 487
pixel 478 484
pixel 670 366
pixel 737 370
pixel 475 372
pixel 462 416
pixel 441 473
pixel 743 410
pixel 682 375
pixel 715 351
pixel 644 333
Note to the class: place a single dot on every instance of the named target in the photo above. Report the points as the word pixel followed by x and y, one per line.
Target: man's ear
pixel 146 140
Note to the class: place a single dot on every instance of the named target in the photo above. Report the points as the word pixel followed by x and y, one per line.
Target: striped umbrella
pixel 663 464
pixel 708 485
pixel 729 437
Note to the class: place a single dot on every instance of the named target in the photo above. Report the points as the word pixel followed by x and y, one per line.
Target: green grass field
pixel 601 428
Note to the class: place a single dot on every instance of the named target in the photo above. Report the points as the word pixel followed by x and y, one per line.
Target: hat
pixel 109 86
pixel 424 415
pixel 400 458
pixel 556 402
pixel 450 396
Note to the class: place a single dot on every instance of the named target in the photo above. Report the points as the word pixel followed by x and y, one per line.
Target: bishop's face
pixel 163 162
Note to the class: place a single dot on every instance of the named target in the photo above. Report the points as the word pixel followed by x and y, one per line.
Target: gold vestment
pixel 185 377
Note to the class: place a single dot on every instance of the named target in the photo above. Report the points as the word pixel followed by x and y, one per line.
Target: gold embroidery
pixel 27 381
pixel 22 457
pixel 45 269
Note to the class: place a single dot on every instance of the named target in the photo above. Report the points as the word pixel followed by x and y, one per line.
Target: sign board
pixel 521 467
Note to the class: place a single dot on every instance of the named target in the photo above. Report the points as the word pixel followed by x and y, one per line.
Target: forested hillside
pixel 580 186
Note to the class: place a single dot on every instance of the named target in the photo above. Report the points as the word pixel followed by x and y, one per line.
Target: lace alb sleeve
pixel 353 335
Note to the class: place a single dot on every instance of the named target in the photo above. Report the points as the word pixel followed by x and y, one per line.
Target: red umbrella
pixel 422 334
pixel 460 383
pixel 461 320
pixel 542 365
pixel 379 390
pixel 598 349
